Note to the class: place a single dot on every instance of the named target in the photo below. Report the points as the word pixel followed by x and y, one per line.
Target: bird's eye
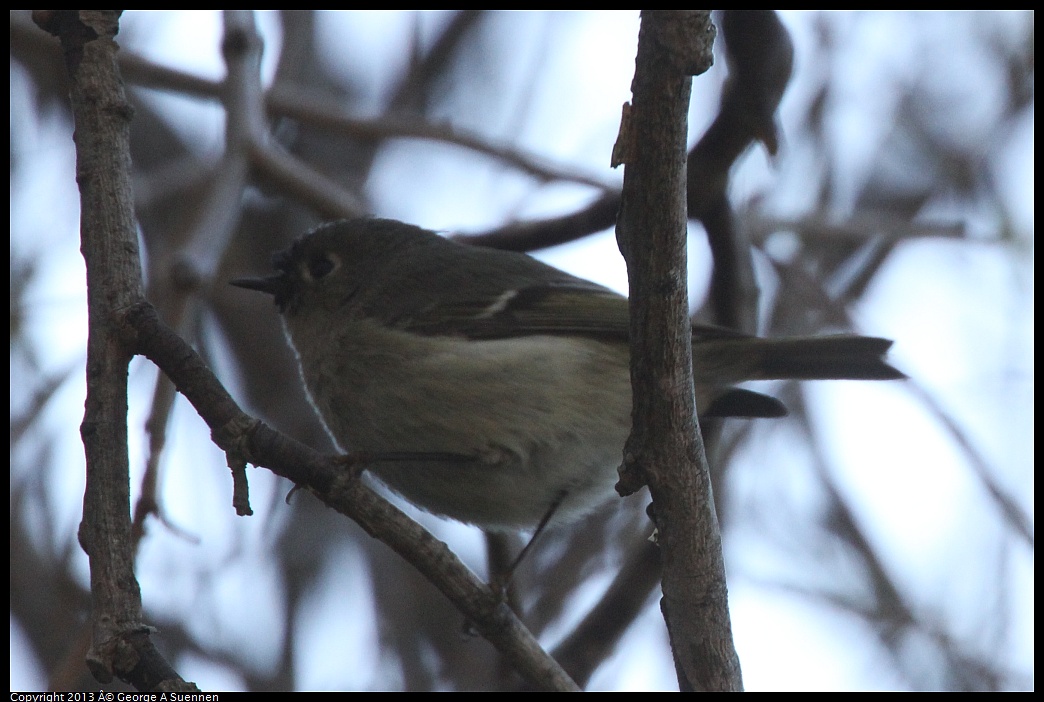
pixel 321 266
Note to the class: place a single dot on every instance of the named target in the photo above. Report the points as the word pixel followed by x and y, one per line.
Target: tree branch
pixel 120 645
pixel 335 481
pixel 122 323
pixel 665 449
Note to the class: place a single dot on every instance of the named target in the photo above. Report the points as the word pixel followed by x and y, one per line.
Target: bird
pixel 505 378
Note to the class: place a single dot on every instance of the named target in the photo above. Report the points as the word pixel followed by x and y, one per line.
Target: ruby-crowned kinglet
pixel 410 342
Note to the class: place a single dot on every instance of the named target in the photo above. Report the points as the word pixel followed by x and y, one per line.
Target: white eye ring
pixel 320 267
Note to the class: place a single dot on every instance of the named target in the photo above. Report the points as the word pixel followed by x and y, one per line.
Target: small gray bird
pixel 410 342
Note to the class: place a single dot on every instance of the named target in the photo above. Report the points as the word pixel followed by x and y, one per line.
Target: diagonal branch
pixel 246 439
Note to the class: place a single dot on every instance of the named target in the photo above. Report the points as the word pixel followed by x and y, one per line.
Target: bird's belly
pixel 538 420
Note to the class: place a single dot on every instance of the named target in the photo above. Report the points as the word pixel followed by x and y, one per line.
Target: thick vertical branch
pixel 120 642
pixel 665 449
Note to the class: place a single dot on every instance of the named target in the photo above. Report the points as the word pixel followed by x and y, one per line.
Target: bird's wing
pixel 557 309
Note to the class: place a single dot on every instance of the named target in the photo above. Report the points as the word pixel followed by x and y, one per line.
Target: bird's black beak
pixel 273 284
pixel 279 286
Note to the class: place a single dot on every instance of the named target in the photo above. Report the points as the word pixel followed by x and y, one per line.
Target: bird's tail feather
pixel 838 357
